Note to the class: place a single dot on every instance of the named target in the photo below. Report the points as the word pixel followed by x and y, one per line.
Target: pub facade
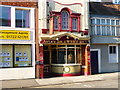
pixel 63 38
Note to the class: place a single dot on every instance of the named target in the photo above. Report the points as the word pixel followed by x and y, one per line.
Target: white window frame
pixel 106 34
pixel 31 18
pixel 10 17
pixel 22 10
pixel 111 61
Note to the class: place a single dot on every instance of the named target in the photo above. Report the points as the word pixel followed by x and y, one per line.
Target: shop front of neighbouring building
pixel 17 42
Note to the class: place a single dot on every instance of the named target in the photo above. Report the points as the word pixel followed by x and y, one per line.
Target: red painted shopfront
pixel 64 55
pixel 64 41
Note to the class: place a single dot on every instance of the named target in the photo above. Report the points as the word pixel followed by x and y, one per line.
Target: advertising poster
pixel 22 55
pixel 6 57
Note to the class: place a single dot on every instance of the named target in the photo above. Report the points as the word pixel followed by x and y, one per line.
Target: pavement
pixel 56 80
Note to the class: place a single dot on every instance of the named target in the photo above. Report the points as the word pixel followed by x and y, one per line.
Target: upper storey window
pixel 5 16
pixel 22 18
pixel 17 17
pixel 65 20
pixel 105 26
pixel 74 23
pixel 55 21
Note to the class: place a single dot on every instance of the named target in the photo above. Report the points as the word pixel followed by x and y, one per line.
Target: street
pixel 94 84
pixel 112 83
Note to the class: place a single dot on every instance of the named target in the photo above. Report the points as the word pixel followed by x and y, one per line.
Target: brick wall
pixel 22 3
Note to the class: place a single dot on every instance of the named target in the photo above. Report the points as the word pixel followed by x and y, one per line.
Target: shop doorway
pixel 95 63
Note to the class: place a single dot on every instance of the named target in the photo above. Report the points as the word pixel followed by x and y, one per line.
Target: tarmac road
pixel 113 83
pixel 106 80
pixel 107 83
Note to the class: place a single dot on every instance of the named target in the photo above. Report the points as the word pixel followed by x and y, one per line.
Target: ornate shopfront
pixel 64 54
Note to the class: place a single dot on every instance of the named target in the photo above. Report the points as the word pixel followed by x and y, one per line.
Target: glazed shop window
pixel 15 55
pixel 46 55
pixel 65 20
pixel 22 18
pixel 6 56
pixel 66 54
pixel 22 55
pixel 61 55
pixel 70 55
pixel 5 16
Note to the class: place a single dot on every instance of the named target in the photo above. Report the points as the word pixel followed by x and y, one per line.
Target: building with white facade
pixel 63 38
pixel 17 40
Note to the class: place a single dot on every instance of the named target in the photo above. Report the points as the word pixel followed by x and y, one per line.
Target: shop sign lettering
pixel 63 41
pixel 14 35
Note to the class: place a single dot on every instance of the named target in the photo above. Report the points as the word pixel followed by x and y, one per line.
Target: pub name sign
pixel 64 41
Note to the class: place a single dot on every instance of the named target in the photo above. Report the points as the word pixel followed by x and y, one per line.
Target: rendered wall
pixel 77 6
pixel 105 65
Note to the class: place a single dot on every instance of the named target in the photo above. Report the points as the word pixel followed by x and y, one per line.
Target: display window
pixel 6 56
pixel 70 55
pixel 15 56
pixel 47 55
pixel 54 56
pixel 22 55
pixel 63 54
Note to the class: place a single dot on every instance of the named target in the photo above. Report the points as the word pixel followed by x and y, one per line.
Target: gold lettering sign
pixel 66 41
pixel 14 35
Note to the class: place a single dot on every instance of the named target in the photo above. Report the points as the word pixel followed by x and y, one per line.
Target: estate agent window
pixel 15 56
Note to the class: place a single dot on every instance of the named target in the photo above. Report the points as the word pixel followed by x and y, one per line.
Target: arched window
pixel 65 20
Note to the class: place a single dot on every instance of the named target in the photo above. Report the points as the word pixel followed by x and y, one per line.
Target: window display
pixel 22 55
pixel 15 55
pixel 6 57
pixel 63 54
pixel 70 55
